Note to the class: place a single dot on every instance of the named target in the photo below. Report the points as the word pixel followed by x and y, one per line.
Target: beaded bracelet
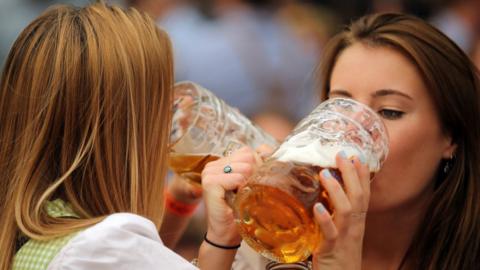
pixel 217 245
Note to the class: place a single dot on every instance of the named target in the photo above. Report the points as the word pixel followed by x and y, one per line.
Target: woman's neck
pixel 389 234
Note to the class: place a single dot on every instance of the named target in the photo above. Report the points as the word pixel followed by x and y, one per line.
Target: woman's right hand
pixel 343 230
pixel 215 183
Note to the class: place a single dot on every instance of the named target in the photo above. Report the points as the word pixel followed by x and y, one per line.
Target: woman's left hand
pixel 184 191
pixel 343 231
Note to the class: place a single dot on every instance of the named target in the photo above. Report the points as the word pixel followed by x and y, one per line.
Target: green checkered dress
pixel 37 255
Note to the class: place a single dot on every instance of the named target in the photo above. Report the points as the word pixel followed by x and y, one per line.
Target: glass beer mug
pixel 204 128
pixel 274 209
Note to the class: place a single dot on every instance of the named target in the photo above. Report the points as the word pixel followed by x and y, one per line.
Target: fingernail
pixel 326 173
pixel 342 154
pixel 320 208
pixel 362 159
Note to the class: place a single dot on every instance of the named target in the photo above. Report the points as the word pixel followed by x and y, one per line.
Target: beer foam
pixel 315 153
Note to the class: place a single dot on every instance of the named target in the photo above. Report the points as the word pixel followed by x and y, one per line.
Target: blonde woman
pixel 85 100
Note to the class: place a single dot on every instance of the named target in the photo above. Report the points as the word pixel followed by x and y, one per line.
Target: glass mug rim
pixel 197 115
pixel 386 137
pixel 357 104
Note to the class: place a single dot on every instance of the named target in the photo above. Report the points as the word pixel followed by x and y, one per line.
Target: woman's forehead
pixel 363 68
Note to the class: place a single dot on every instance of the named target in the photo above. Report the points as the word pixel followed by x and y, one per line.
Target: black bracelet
pixel 217 245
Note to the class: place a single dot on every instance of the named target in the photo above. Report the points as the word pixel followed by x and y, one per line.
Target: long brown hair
pixel 449 236
pixel 85 109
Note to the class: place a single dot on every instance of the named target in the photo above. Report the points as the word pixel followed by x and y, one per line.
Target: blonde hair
pixel 85 109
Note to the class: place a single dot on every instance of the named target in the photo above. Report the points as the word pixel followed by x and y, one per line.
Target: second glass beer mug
pixel 204 128
pixel 274 210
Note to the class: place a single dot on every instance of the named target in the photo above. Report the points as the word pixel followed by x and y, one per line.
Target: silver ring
pixel 227 169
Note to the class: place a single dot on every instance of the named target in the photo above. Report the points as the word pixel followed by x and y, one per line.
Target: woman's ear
pixel 450 148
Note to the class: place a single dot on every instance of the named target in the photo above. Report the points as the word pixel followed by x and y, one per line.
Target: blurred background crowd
pixel 259 55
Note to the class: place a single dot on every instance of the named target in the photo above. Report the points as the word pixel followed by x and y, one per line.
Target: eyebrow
pixel 378 93
pixel 388 92
pixel 339 92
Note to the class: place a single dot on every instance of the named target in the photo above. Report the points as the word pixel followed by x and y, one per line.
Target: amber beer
pixel 277 221
pixel 190 166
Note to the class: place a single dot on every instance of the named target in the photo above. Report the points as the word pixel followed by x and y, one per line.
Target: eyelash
pixel 391 114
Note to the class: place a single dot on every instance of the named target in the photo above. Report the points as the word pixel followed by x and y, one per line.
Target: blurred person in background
pixel 154 8
pixel 10 25
pixel 16 14
pixel 168 11
pixel 313 24
pixel 247 56
pixel 460 20
pixel 387 6
pixel 349 10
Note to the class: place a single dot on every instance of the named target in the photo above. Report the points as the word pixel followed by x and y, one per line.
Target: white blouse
pixel 120 242
pixel 248 259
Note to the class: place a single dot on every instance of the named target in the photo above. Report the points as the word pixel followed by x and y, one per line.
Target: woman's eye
pixel 391 114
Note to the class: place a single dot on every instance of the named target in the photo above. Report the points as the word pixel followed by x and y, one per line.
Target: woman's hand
pixel 184 191
pixel 181 199
pixel 343 230
pixel 218 177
